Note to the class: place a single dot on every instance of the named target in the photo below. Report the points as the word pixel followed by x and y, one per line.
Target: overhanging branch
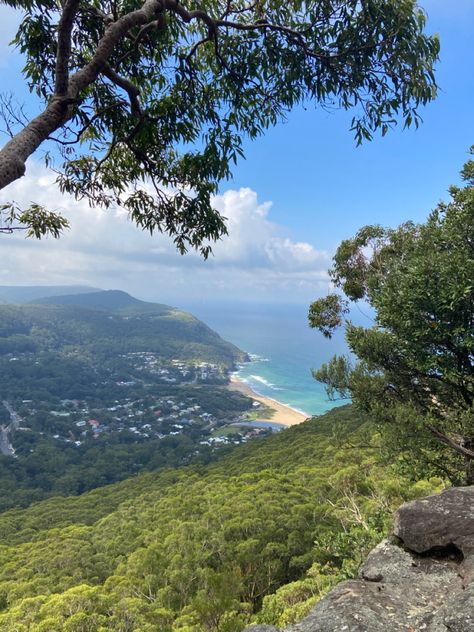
pixel 457 447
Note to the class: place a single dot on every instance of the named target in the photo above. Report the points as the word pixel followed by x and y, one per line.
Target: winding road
pixel 6 446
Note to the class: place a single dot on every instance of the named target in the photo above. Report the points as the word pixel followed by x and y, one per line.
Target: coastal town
pixel 148 398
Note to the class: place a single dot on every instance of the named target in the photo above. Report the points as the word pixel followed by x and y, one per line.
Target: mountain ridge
pixel 132 387
pixel 20 294
pixel 108 300
pixel 114 316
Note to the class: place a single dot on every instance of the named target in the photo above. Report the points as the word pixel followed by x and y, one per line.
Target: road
pixel 6 446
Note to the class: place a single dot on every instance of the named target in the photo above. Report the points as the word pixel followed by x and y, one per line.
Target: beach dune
pixel 281 414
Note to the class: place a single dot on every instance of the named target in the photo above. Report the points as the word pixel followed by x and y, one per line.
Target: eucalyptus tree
pixel 149 101
pixel 415 365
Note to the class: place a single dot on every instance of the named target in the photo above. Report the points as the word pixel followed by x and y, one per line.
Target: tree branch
pixel 124 83
pixel 262 24
pixel 156 25
pixel 114 32
pixel 63 53
pixel 460 449
pixel 59 110
pixel 86 126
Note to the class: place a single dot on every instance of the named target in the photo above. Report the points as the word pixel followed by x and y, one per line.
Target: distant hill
pixel 108 300
pixel 109 323
pixel 20 294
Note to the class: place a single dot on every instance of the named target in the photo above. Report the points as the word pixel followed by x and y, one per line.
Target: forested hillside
pixel 259 535
pixel 109 323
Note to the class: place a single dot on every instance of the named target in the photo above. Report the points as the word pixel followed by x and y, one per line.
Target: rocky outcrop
pixel 438 521
pixel 421 579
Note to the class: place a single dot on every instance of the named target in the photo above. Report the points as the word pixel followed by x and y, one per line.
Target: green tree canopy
pixel 415 365
pixel 149 101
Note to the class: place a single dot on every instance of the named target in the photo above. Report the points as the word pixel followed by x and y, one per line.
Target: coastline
pixel 283 414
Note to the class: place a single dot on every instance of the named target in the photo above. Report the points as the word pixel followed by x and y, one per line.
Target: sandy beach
pixel 282 414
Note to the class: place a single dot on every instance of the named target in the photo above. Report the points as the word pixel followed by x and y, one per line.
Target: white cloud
pixel 258 260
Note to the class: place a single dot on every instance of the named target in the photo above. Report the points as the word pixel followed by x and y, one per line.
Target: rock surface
pixel 438 521
pixel 421 579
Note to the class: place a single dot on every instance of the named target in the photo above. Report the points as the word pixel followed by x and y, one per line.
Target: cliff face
pixel 420 579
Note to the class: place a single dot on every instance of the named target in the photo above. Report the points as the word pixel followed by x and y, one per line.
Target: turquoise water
pixel 284 350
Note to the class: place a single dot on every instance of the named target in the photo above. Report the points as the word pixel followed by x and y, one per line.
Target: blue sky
pixel 303 187
pixel 325 188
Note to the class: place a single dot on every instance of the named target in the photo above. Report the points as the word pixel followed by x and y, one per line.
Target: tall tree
pixel 149 101
pixel 415 368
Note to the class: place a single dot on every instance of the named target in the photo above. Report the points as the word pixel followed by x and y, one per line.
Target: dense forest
pixel 259 535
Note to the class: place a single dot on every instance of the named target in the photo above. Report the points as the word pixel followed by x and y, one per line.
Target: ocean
pixel 283 349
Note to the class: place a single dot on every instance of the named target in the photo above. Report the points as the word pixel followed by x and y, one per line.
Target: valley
pixel 103 378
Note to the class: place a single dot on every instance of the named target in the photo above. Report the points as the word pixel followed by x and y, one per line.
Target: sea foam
pixel 262 380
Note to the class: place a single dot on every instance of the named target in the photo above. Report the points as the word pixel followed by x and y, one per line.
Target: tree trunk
pixel 469 463
pixel 14 154
pixel 60 109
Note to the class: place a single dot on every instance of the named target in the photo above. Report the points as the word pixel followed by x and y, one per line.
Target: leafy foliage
pixel 328 316
pixel 150 102
pixel 37 218
pixel 416 364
